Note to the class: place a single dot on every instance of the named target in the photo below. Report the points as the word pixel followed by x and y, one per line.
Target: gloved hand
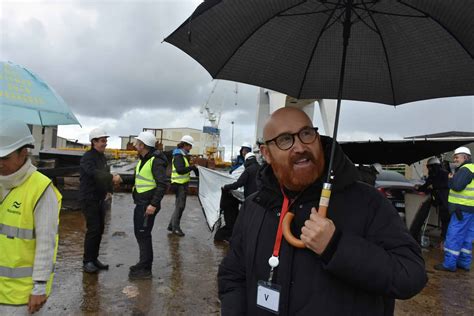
pixel 458 214
pixel 196 170
pixel 223 188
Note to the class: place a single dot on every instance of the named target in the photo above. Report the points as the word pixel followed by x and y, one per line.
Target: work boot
pixel 136 267
pixel 441 267
pixel 170 228
pixel 467 269
pixel 140 274
pixel 178 232
pixel 90 267
pixel 101 265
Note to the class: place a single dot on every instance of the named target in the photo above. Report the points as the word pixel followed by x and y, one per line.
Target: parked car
pixel 394 186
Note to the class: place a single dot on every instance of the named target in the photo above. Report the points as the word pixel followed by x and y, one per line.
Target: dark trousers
pixel 94 213
pixel 142 226
pixel 181 191
pixel 229 205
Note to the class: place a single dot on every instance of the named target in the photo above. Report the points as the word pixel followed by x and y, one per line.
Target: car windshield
pixel 388 175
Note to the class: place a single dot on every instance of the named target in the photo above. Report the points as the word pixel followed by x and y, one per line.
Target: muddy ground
pixel 184 271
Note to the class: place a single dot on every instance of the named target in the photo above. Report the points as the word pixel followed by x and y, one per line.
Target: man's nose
pixel 298 146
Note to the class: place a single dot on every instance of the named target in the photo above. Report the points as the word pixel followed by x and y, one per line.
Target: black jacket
pixel 248 178
pixel 179 164
pixel 95 176
pixel 370 261
pixel 438 180
pixel 158 169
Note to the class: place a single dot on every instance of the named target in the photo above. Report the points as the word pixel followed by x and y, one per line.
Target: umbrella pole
pixel 326 191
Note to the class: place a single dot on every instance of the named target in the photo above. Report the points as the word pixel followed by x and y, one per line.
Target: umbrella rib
pixel 360 18
pixel 251 34
pixel 305 13
pixel 386 56
pixel 397 14
pixel 337 19
pixel 41 119
pixel 323 29
pixel 440 24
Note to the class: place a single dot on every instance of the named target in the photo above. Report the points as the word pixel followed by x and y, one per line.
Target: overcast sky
pixel 108 62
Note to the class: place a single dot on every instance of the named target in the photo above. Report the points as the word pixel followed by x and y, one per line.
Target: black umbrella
pixel 386 51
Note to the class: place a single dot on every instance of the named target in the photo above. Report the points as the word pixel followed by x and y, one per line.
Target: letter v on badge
pixel 268 296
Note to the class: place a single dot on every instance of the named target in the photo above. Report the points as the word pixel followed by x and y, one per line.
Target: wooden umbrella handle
pixel 292 240
pixel 322 210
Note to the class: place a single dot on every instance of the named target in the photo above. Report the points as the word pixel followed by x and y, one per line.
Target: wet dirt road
pixel 184 271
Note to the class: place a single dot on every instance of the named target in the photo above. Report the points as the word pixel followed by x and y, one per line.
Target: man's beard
pixel 300 179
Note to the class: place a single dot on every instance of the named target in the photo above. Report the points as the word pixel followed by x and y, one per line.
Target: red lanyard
pixel 284 210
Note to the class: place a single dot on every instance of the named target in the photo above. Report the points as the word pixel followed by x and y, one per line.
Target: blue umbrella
pixel 25 96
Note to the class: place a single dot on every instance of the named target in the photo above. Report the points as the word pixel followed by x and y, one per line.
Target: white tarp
pixel 210 183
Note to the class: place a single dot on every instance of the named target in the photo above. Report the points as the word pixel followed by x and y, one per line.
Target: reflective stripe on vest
pixel 144 180
pixel 466 196
pixel 17 239
pixel 180 178
pixel 15 232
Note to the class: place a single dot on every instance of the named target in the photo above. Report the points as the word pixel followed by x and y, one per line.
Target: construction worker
pixel 149 188
pixel 180 176
pixel 29 218
pixel 437 185
pixel 368 174
pixel 240 160
pixel 94 191
pixel 458 245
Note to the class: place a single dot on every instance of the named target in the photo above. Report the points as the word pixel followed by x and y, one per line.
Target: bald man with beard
pixel 357 261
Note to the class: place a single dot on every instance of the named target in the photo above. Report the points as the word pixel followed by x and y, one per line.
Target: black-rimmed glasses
pixel 285 141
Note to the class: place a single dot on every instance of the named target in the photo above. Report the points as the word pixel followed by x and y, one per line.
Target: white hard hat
pixel 247 144
pixel 97 133
pixel 248 155
pixel 14 135
pixel 188 140
pixel 147 138
pixel 377 167
pixel 462 150
pixel 433 161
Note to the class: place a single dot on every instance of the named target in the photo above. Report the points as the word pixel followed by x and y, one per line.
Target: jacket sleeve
pixel 46 227
pixel 128 178
pixel 240 181
pixel 428 182
pixel 460 179
pixel 386 261
pixel 231 275
pixel 103 178
pixel 159 174
pixel 180 165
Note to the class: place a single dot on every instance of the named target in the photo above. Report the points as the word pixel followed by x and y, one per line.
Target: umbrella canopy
pixel 25 96
pixel 398 51
pixel 398 151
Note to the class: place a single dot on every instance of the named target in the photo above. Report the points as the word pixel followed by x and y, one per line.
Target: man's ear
pixel 266 154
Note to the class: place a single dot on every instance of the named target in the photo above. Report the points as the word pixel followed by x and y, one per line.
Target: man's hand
pixel 450 175
pixel 36 302
pixel 317 232
pixel 116 180
pixel 108 196
pixel 150 210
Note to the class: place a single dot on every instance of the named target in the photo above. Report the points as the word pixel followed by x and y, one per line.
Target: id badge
pixel 268 296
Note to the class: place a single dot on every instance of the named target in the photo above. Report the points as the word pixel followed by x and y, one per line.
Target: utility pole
pixel 232 144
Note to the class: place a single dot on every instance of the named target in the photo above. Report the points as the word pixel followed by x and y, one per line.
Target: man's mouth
pixel 303 162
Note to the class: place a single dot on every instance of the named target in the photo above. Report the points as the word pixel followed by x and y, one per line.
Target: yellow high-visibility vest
pixel 144 180
pixel 466 196
pixel 18 240
pixel 180 178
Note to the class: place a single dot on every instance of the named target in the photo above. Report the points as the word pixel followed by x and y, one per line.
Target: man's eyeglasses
pixel 285 141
